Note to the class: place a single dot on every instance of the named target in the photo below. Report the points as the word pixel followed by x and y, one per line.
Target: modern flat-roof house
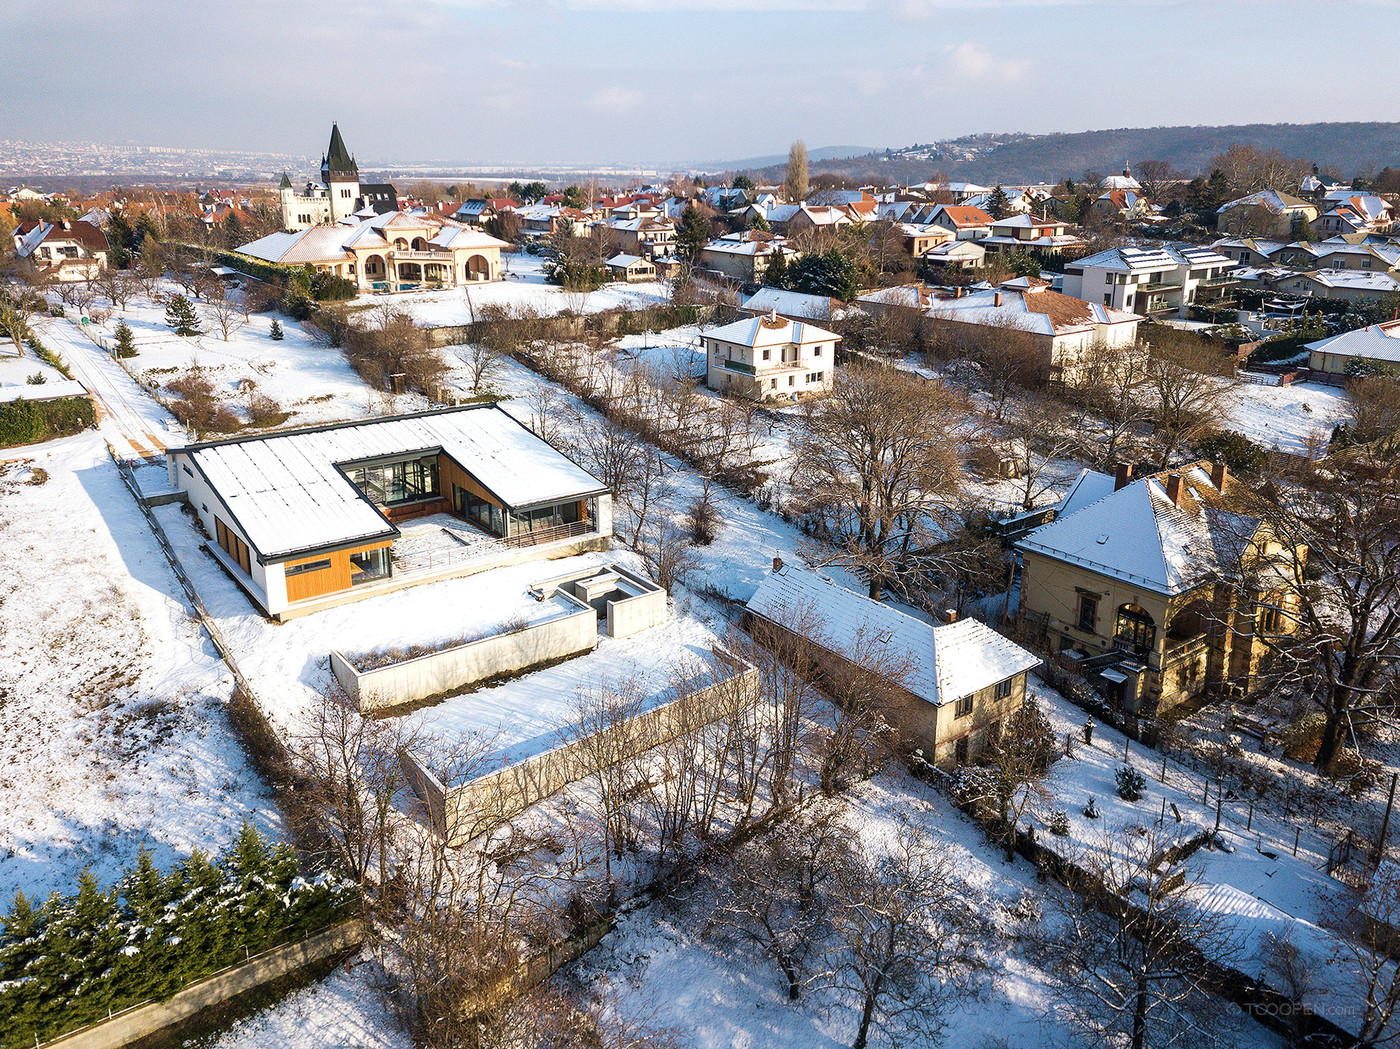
pixel 1162 279
pixel 958 682
pixel 770 358
pixel 304 519
pixel 1128 583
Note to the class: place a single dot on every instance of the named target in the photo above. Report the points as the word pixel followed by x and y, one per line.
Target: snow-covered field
pixel 1288 417
pixel 314 383
pixel 112 727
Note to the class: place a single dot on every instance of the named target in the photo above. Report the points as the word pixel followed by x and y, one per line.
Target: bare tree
pixel 350 774
pixel 224 309
pixel 1111 383
pixel 1019 755
pixel 776 895
pixel 118 285
pixel 669 555
pixel 1328 594
pixel 482 361
pixel 897 944
pixel 1187 400
pixel 1036 438
pixel 875 463
pixel 1136 961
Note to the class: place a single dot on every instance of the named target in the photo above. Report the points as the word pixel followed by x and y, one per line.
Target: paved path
pixel 124 409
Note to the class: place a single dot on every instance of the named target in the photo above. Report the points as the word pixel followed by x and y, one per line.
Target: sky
pixel 671 82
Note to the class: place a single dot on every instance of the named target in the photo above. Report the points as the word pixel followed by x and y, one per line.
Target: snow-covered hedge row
pixel 66 962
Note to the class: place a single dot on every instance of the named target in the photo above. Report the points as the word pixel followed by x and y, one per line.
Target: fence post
pixel 1164 768
pixel 1296 832
pixel 1219 801
pixel 1249 824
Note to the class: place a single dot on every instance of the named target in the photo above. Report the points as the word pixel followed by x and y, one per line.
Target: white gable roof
pixel 1375 342
pixel 945 662
pixel 764 331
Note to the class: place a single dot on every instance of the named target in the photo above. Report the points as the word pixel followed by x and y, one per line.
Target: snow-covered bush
pixel 1058 822
pixel 1130 782
pixel 67 961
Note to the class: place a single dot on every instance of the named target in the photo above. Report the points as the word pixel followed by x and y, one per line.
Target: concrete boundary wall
pixel 462 811
pixel 630 602
pixel 141 1021
pixel 571 633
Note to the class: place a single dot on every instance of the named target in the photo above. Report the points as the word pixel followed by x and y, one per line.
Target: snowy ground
pixel 342 1011
pixel 1288 417
pixel 665 965
pixel 112 728
pixel 314 383
pixel 524 286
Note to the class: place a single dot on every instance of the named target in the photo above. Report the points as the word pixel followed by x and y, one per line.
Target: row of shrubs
pixel 68 961
pixel 29 422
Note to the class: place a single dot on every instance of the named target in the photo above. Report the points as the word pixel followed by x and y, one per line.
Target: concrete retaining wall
pixel 142 1021
pixel 470 808
pixel 569 634
pixel 630 602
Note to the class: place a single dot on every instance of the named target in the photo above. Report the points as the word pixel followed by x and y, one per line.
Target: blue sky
pixel 648 81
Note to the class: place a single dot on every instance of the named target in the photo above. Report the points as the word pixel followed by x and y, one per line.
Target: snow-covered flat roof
pixel 287 495
pixel 944 662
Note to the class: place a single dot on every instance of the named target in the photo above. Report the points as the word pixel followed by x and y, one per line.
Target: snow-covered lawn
pixel 1286 417
pixel 112 727
pixel 314 383
pixel 665 965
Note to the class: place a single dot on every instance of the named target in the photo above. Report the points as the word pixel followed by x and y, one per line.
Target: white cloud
pixel 975 62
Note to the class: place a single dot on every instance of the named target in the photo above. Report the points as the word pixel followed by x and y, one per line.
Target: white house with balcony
pixel 1161 280
pixel 770 358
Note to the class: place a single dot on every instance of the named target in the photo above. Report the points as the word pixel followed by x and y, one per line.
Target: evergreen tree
pixel 776 275
pixel 180 316
pixel 758 222
pixel 233 231
pixel 124 341
pixel 742 182
pixel 998 203
pixel 275 332
pixel 121 239
pixel 694 232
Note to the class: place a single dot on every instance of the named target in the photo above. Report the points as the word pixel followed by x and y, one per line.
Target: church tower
pixel 341 177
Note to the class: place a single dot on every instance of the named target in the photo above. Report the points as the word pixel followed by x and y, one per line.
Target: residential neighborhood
pixel 535 555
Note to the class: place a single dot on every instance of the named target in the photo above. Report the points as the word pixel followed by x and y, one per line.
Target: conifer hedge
pixel 66 962
pixel 27 422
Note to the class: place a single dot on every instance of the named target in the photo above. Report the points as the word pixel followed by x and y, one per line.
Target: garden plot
pixel 664 966
pixel 310 382
pixel 113 734
pixel 1289 418
pixel 1255 880
pixel 524 286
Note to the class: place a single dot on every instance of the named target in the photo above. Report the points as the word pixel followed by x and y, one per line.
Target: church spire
pixel 338 160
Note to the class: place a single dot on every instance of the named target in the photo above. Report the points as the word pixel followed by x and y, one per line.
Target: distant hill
pixel 780 160
pixel 1019 158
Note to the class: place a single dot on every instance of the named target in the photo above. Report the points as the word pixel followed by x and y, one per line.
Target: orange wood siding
pixel 304 585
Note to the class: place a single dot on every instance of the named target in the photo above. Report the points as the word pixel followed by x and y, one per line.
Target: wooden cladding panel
pixel 449 473
pixel 304 585
pixel 235 547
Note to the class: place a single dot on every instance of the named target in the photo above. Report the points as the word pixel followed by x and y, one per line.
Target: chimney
pixel 1122 476
pixel 1217 476
pixel 777 564
pixel 1174 488
pixel 950 615
pixel 996 298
